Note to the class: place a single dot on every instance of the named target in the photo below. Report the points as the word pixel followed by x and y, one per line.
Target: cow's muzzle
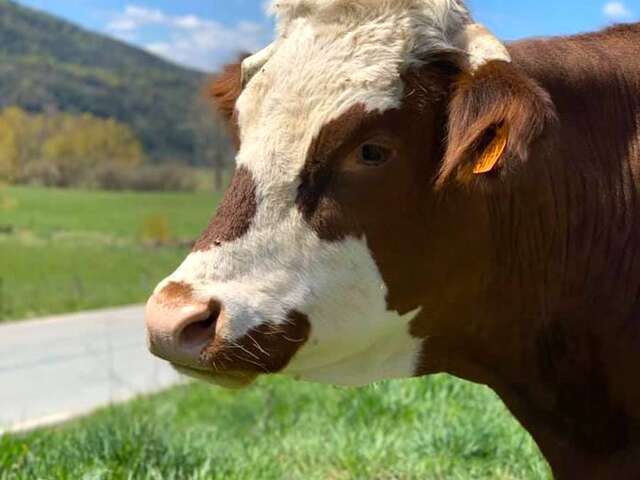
pixel 179 328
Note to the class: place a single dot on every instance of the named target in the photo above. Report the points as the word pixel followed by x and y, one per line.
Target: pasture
pixel 435 428
pixel 71 250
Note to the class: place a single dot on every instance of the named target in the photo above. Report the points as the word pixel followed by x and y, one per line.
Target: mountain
pixel 50 64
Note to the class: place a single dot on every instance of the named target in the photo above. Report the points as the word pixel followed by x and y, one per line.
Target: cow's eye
pixel 374 155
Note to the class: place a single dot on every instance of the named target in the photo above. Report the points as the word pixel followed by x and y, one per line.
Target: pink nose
pixel 179 328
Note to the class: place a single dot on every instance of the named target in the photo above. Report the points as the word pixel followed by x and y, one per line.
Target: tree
pixel 17 143
pixel 85 144
pixel 8 152
pixel 63 149
pixel 213 146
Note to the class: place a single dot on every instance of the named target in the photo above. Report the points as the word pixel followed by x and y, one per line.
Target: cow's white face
pixel 289 275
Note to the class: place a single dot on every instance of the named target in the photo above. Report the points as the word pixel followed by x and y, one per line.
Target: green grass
pixel 113 215
pixel 70 250
pixel 50 278
pixel 436 428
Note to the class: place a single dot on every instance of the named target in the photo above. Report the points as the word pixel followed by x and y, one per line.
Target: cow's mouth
pixel 231 380
pixel 200 346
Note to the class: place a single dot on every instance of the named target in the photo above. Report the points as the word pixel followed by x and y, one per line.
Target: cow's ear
pixel 495 113
pixel 225 88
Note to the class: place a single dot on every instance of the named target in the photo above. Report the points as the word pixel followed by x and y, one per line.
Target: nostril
pixel 196 333
pixel 199 333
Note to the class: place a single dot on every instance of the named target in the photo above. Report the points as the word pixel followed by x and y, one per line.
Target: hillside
pixel 47 63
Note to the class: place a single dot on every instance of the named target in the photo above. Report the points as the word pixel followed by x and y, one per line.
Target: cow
pixel 413 196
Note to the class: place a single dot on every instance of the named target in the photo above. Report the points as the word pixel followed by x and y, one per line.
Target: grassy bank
pixel 69 250
pixel 436 428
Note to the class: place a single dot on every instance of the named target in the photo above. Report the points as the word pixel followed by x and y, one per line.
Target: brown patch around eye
pixel 340 197
pixel 315 203
pixel 235 214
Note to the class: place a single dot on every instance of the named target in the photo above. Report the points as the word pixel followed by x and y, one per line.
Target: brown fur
pixel 234 215
pixel 496 94
pixel 531 286
pixel 225 89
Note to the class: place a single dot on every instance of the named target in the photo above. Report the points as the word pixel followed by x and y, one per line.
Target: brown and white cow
pixel 411 197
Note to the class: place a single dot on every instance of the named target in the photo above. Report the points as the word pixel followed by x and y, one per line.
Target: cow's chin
pixel 231 380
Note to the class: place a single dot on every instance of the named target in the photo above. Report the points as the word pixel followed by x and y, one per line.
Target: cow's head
pixel 362 132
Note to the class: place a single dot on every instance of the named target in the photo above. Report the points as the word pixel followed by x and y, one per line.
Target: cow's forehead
pixel 330 56
pixel 312 78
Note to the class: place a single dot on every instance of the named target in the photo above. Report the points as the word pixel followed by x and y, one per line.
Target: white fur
pixel 329 56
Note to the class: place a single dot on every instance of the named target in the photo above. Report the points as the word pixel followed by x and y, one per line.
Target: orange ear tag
pixel 493 152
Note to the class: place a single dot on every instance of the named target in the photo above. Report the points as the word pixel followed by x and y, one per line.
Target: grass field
pixel 69 250
pixel 436 428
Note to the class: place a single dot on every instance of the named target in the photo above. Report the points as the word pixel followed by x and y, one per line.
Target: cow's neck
pixel 567 311
pixel 557 334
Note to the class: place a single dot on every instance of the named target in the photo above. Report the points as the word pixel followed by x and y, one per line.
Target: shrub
pixel 60 149
pixel 147 178
pixel 156 230
pixel 163 177
pixel 42 174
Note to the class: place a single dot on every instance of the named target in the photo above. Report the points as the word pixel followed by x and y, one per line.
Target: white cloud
pixel 135 17
pixel 617 10
pixel 188 39
pixel 188 22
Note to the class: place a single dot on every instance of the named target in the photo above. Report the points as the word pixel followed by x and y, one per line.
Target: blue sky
pixel 206 33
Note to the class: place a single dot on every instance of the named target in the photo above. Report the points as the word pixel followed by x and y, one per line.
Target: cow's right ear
pixel 228 85
pixel 495 113
pixel 225 89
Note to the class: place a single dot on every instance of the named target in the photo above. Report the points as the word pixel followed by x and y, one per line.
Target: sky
pixel 204 34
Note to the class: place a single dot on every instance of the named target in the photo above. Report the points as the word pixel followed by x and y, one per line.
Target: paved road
pixel 56 368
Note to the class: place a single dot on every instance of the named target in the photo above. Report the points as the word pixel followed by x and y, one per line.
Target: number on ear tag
pixel 493 152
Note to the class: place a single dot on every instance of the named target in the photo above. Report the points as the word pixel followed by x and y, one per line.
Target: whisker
pixel 244 349
pixel 258 345
pixel 259 365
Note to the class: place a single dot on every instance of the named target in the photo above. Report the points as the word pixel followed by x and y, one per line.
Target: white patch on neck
pixel 393 354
